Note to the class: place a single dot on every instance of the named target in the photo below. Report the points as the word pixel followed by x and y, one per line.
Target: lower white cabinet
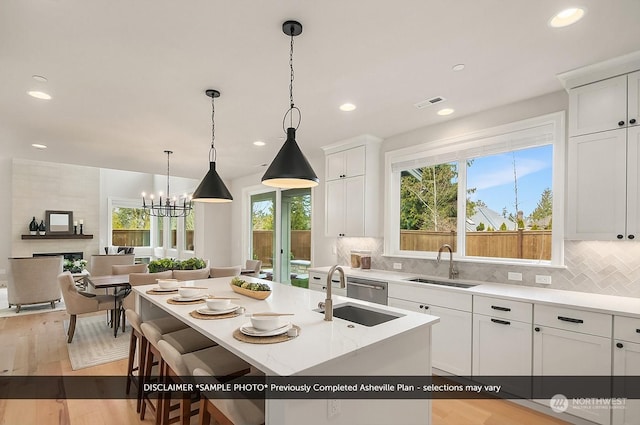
pixel 450 338
pixel 558 351
pixel 626 362
pixel 501 347
pixel 318 282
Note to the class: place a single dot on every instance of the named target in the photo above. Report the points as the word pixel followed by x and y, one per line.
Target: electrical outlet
pixel 333 408
pixel 397 266
pixel 514 276
pixel 543 279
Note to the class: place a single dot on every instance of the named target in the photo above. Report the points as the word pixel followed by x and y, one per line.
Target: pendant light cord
pixel 292 105
pixel 212 151
pixel 168 197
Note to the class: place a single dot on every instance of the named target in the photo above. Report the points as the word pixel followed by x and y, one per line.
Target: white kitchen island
pixel 400 347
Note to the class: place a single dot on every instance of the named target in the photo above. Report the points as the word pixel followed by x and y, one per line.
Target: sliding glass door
pixel 262 234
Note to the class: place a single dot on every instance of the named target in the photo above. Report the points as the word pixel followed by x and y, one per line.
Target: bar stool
pixel 184 340
pixel 229 411
pixel 163 325
pixel 215 361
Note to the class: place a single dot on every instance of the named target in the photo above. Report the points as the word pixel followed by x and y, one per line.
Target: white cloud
pixel 504 174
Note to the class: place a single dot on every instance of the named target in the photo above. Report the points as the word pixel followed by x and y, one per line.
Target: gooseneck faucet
pixel 453 273
pixel 328 303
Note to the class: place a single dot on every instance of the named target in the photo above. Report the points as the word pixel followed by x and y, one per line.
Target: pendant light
pixel 170 207
pixel 290 169
pixel 212 188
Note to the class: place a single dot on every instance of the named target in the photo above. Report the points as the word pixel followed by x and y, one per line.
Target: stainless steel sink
pixel 363 315
pixel 439 282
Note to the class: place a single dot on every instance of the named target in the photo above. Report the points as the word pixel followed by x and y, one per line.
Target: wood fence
pixel 263 242
pixel 525 244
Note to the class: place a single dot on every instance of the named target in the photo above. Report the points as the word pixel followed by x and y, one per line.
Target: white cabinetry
pixel 451 337
pixel 352 188
pixel 603 159
pixel 569 342
pixel 318 282
pixel 502 337
pixel 626 362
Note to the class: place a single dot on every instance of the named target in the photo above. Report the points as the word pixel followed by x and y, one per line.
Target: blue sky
pixel 493 177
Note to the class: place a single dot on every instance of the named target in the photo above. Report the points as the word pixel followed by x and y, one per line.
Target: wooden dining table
pixel 107 282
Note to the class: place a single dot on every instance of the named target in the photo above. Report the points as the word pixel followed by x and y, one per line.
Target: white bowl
pixel 188 292
pixel 168 283
pixel 217 304
pixel 266 323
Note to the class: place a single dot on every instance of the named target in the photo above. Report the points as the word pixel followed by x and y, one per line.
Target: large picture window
pixel 489 195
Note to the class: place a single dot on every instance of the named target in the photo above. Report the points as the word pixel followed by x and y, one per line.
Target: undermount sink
pixel 439 282
pixel 363 315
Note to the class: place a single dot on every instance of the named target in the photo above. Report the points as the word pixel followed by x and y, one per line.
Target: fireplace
pixel 72 256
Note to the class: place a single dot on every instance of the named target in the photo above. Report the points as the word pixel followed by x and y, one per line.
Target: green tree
pixel 262 215
pixel 130 219
pixel 544 208
pixel 301 212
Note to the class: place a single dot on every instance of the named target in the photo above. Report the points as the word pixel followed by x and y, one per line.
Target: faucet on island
pixel 453 273
pixel 327 305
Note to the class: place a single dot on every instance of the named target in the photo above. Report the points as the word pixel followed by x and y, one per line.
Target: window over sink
pixel 489 195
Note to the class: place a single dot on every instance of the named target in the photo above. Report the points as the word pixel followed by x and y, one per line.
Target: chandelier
pixel 169 207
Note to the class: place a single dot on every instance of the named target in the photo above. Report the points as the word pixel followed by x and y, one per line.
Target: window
pixel 130 227
pixel 189 227
pixel 489 195
pixel 173 232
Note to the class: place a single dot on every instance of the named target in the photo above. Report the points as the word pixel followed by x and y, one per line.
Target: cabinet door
pixel 334 208
pixel 596 207
pixel 450 338
pixel 335 166
pixel 626 361
pixel 501 346
pixel 354 162
pixel 560 352
pixel 354 206
pixel 633 183
pixel 598 107
pixel 633 99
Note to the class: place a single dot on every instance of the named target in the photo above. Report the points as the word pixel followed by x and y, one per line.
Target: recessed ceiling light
pixel 567 17
pixel 446 111
pixel 458 67
pixel 39 78
pixel 259 143
pixel 39 146
pixel 347 107
pixel 39 95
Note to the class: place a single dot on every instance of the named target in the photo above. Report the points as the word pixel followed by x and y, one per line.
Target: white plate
pixel 206 310
pixel 159 289
pixel 187 299
pixel 249 330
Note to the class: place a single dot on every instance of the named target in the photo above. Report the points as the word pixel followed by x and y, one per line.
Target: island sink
pixel 439 282
pixel 362 315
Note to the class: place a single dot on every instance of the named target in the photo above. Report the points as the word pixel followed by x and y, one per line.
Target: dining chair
pixel 33 280
pixel 129 268
pixel 254 265
pixel 225 271
pixel 100 265
pixel 191 274
pixel 136 279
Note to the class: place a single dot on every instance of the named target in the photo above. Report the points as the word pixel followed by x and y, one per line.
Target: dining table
pixel 115 282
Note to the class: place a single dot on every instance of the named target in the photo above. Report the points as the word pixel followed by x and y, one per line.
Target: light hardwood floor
pixel 36 345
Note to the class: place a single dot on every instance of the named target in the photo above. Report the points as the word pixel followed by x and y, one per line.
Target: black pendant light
pixel 212 188
pixel 290 169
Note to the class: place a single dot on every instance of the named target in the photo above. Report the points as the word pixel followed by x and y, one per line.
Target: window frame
pixel 130 203
pixel 537 131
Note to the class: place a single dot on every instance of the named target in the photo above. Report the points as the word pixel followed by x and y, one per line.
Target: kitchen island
pixel 399 347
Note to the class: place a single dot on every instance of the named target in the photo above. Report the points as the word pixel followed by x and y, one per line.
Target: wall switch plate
pixel 334 251
pixel 543 279
pixel 397 266
pixel 333 408
pixel 514 276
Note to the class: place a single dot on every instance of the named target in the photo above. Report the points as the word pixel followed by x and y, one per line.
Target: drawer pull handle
pixel 316 278
pixel 570 319
pixel 501 322
pixel 638 331
pixel 496 307
pixel 620 345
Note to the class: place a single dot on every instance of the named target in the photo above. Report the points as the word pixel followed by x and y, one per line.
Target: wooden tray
pixel 258 295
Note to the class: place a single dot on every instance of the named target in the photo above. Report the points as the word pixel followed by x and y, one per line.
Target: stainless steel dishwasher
pixel 374 291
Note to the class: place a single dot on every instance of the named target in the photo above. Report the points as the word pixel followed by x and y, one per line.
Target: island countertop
pixel 319 341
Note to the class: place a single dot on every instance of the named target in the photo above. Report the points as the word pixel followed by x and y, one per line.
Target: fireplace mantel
pixel 57 236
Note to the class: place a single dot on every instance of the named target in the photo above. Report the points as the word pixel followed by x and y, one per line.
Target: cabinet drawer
pixel 626 328
pixel 439 297
pixel 318 278
pixel 507 309
pixel 570 319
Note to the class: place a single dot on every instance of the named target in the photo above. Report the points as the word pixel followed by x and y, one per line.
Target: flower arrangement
pixel 164 264
pixel 75 266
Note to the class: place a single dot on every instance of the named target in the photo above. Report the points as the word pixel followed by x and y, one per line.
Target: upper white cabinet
pixel 352 188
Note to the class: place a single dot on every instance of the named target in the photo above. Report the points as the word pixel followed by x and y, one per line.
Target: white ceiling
pixel 128 76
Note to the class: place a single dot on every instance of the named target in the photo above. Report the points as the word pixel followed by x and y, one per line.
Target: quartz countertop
pixel 609 304
pixel 319 341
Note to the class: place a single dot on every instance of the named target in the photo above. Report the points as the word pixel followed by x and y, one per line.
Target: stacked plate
pixel 159 289
pixel 179 298
pixel 205 310
pixel 249 330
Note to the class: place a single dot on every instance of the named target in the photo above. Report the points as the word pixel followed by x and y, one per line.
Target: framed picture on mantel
pixel 59 222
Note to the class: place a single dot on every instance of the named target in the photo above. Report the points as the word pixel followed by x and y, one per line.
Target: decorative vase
pixel 41 228
pixel 33 226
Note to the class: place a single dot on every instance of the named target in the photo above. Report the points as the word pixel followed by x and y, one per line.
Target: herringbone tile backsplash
pixel 611 268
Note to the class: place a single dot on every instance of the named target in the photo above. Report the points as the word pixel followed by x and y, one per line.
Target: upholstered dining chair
pixel 100 265
pixel 225 271
pixel 127 269
pixel 254 265
pixel 191 274
pixel 136 279
pixel 32 280
pixel 82 303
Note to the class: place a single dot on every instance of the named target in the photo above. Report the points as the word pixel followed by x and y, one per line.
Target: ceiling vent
pixel 429 102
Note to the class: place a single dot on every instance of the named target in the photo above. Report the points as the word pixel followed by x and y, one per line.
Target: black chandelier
pixel 170 206
pixel 290 169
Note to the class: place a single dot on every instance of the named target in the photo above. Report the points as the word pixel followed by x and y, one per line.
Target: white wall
pixel 5 217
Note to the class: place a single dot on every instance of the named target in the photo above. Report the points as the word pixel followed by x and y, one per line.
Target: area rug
pixel 5 311
pixel 93 342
